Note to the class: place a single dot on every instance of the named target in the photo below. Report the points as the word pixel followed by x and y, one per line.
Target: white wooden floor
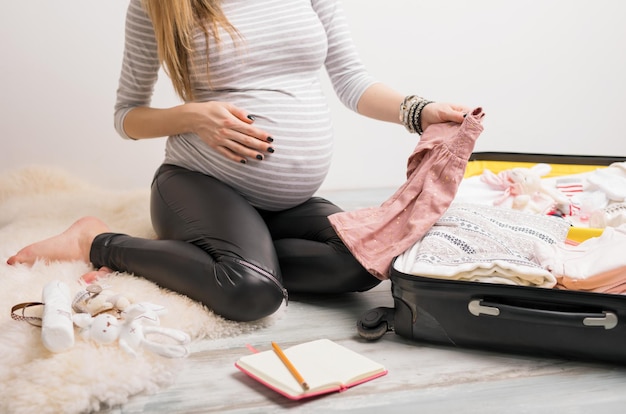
pixel 422 378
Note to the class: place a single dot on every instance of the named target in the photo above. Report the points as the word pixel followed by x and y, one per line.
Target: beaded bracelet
pixel 411 113
pixel 405 107
pixel 417 124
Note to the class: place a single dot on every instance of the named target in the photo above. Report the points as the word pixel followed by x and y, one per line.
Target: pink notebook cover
pixel 338 388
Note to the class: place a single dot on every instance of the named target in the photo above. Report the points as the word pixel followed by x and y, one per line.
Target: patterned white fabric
pixel 485 244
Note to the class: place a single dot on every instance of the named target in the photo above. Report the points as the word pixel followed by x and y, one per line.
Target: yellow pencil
pixel 290 366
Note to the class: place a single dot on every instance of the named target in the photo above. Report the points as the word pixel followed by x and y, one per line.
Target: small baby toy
pixel 103 328
pixel 95 299
pixel 131 331
pixel 526 190
pixel 134 331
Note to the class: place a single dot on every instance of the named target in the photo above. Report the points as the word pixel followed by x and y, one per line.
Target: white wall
pixel 549 74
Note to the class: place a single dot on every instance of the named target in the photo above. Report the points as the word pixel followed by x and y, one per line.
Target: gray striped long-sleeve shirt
pixel 274 74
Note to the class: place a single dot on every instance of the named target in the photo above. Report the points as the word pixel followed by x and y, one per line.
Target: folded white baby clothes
pixel 485 244
pixel 610 180
pixel 592 256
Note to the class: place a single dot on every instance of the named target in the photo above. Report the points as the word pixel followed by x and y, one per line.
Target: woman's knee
pixel 243 291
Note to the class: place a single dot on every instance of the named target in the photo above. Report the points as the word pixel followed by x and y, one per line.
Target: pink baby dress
pixel 375 235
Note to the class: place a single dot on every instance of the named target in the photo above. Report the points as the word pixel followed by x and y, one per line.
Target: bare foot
pixel 73 244
pixel 96 275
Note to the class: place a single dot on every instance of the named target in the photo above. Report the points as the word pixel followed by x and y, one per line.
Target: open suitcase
pixel 515 319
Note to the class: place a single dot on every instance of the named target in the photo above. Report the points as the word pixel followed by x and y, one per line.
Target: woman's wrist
pixel 410 114
pixel 189 117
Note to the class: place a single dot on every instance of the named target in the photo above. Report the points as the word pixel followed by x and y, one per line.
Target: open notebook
pixel 325 366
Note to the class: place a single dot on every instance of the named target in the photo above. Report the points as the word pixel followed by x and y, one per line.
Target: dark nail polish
pixel 270 150
pixel 243 161
pixel 270 139
pixel 259 157
pixel 251 117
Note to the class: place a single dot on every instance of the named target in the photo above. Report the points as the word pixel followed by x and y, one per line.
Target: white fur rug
pixel 36 203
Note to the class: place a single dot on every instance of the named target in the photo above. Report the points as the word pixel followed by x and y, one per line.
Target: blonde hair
pixel 174 22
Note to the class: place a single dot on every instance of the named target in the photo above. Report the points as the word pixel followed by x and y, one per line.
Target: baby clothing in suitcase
pixel 514 279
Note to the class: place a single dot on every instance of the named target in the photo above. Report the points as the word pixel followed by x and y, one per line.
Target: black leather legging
pixel 216 248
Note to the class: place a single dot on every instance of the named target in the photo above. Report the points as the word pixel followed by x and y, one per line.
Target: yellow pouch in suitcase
pixel 476 167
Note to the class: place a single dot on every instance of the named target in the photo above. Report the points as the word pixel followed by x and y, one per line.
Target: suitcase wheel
pixel 375 323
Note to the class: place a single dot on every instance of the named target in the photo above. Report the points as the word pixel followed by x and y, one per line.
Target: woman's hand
pixel 229 130
pixel 436 112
